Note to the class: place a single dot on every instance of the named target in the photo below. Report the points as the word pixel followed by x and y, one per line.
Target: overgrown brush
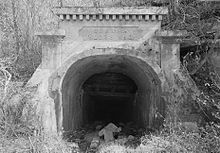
pixel 173 140
pixel 20 124
pixel 18 115
pixel 33 144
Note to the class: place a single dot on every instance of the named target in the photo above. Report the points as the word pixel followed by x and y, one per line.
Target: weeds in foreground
pixel 177 140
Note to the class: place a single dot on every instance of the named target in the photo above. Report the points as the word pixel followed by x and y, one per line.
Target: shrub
pixel 173 140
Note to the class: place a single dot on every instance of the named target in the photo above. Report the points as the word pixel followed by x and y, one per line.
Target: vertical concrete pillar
pixel 170 50
pixel 170 60
pixel 51 60
pixel 170 63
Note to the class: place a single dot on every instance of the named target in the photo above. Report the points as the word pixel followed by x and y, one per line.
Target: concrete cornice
pixel 171 37
pixel 112 13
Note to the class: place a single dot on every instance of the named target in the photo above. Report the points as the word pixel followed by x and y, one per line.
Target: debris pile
pixel 108 132
pixel 89 138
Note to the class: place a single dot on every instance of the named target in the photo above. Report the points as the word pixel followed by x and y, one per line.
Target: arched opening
pixel 109 88
pixel 109 97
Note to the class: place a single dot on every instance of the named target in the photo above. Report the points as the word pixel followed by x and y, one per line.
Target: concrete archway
pixel 133 69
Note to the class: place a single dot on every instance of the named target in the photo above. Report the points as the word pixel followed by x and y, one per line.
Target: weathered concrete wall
pixel 126 41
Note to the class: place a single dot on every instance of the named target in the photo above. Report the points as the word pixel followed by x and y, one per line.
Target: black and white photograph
pixel 109 76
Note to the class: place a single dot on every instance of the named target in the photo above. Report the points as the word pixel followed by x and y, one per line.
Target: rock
pixel 131 137
pixel 108 135
pixel 108 131
pixel 95 143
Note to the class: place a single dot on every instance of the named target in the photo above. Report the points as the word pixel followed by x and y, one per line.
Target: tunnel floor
pixel 108 98
pixel 130 136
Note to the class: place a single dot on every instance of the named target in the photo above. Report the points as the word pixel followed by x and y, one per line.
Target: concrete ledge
pixel 167 33
pixel 171 37
pixel 111 11
pixel 53 33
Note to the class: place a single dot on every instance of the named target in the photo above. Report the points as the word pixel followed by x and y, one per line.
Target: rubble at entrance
pixel 91 137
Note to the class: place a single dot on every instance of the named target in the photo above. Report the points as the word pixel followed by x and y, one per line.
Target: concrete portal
pixel 110 88
pixel 106 64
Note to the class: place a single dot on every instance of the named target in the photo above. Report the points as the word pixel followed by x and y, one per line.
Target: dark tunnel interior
pixel 117 89
pixel 109 97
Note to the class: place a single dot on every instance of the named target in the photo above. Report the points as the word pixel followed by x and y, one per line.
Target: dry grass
pixel 20 126
pixel 178 141
pixel 33 144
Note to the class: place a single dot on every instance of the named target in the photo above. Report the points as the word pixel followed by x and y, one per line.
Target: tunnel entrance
pixel 108 88
pixel 109 97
